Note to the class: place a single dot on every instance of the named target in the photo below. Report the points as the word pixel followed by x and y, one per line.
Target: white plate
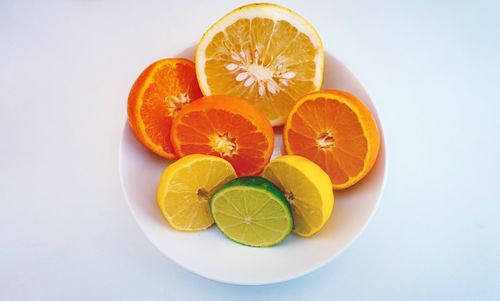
pixel 209 254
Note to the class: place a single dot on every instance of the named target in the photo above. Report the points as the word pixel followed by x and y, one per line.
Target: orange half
pixel 160 91
pixel 227 127
pixel 335 130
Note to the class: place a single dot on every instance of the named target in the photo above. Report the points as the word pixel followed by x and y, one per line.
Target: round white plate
pixel 209 254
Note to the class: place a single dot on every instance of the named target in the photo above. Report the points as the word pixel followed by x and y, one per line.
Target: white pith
pixel 176 102
pixel 224 145
pixel 325 140
pixel 247 68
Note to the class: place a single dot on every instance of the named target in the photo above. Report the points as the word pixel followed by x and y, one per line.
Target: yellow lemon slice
pixel 186 187
pixel 263 53
pixel 307 188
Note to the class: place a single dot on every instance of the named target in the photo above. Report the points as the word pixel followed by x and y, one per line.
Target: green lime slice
pixel 252 211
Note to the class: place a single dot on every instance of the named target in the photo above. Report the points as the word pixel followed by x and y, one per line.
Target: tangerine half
pixel 159 92
pixel 335 130
pixel 227 127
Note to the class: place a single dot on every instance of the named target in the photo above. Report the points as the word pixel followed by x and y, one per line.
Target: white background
pixel 431 67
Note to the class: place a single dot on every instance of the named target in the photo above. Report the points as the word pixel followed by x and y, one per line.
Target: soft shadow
pixel 187 53
pixel 337 76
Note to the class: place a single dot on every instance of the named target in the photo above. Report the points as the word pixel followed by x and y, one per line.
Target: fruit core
pixel 325 140
pixel 289 197
pixel 250 69
pixel 224 144
pixel 176 102
pixel 203 195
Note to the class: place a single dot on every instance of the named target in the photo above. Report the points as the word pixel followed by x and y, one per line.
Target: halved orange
pixel 335 130
pixel 159 92
pixel 227 127
pixel 264 53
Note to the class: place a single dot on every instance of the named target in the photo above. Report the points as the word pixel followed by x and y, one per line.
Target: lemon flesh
pixel 263 53
pixel 185 189
pixel 306 187
pixel 252 211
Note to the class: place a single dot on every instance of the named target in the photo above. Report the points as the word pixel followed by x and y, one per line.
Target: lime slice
pixel 252 211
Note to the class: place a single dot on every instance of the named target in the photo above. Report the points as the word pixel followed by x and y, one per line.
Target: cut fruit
pixel 157 95
pixel 227 127
pixel 306 187
pixel 336 131
pixel 185 189
pixel 263 53
pixel 252 211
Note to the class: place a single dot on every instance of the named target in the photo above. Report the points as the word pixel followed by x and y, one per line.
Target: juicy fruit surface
pixel 157 95
pixel 336 131
pixel 185 189
pixel 306 187
pixel 227 127
pixel 263 53
pixel 252 211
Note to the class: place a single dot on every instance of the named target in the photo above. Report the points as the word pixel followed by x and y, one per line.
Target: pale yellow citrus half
pixel 263 53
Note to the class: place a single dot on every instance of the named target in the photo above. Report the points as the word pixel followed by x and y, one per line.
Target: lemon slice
pixel 252 211
pixel 307 188
pixel 264 53
pixel 186 186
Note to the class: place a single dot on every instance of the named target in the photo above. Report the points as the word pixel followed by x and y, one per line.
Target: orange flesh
pixel 156 97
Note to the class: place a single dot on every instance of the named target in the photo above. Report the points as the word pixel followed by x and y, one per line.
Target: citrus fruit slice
pixel 252 211
pixel 185 188
pixel 263 53
pixel 336 131
pixel 228 127
pixel 306 187
pixel 159 92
